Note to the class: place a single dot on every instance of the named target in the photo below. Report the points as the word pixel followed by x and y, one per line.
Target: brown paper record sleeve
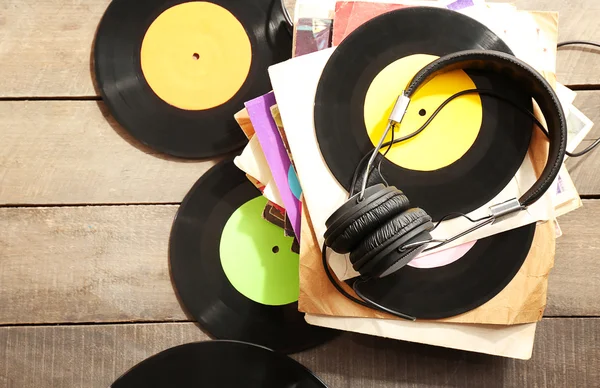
pixel 523 300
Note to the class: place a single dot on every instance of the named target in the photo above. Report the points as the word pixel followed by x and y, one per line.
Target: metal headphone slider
pixel 505 209
pixel 399 110
pixel 395 117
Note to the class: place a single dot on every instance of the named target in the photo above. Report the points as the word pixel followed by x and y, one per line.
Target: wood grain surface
pixel 86 264
pixel 588 102
pixel 46 44
pixel 71 152
pixel 577 20
pixel 85 291
pixel 46 47
pixel 575 278
pixel 584 171
pixel 566 354
pixel 110 264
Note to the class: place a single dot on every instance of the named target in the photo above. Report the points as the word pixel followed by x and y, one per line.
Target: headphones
pixel 378 226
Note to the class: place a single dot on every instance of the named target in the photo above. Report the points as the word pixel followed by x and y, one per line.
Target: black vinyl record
pixel 490 162
pixel 197 259
pixel 206 127
pixel 458 287
pixel 224 364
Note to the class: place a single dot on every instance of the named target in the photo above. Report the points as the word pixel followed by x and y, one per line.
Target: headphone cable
pixel 364 301
pixel 584 43
pixel 486 92
pixel 484 220
pixel 578 42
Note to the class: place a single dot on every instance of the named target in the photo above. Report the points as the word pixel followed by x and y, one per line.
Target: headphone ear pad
pixel 368 221
pixel 395 259
pixel 396 228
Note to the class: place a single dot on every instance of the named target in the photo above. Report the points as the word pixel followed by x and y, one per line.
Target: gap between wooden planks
pixel 46 44
pixel 565 354
pixel 110 264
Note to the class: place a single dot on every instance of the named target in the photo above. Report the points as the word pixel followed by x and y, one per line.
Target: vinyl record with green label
pixel 235 272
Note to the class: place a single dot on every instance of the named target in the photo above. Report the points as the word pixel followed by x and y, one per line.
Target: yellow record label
pixel 447 138
pixel 196 55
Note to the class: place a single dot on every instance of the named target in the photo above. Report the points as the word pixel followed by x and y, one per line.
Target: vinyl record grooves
pixel 173 73
pixel 235 272
pixel 498 148
pixel 453 289
pixel 226 364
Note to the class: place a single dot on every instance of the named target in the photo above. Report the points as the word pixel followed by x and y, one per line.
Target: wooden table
pixel 85 216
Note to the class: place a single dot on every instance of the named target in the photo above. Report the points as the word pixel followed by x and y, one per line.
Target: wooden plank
pixel 86 264
pixel 82 356
pixel 574 282
pixel 57 152
pixel 46 44
pixel 66 152
pixel 583 170
pixel 577 20
pixel 110 264
pixel 565 354
pixel 576 64
pixel 588 102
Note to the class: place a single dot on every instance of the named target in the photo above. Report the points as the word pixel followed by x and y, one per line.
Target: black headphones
pixel 380 229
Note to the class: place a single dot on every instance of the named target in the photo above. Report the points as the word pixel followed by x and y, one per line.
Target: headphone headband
pixel 383 236
pixel 533 83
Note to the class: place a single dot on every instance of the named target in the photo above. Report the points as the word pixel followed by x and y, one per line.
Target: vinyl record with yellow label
pixel 467 154
pixel 173 73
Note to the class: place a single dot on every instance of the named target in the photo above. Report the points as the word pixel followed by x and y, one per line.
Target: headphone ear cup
pixel 362 226
pixel 392 261
pixel 394 233
pixel 348 225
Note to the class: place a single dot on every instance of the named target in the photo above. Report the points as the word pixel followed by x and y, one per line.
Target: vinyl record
pixel 173 73
pixel 234 271
pixel 464 284
pixel 226 364
pixel 468 153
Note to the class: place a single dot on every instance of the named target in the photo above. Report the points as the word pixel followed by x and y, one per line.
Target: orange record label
pixel 451 133
pixel 196 55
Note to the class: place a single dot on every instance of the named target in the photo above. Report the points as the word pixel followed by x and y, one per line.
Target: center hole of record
pixel 422 112
pixel 275 249
pixel 196 56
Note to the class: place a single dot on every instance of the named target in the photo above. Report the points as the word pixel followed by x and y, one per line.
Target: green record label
pixel 257 257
